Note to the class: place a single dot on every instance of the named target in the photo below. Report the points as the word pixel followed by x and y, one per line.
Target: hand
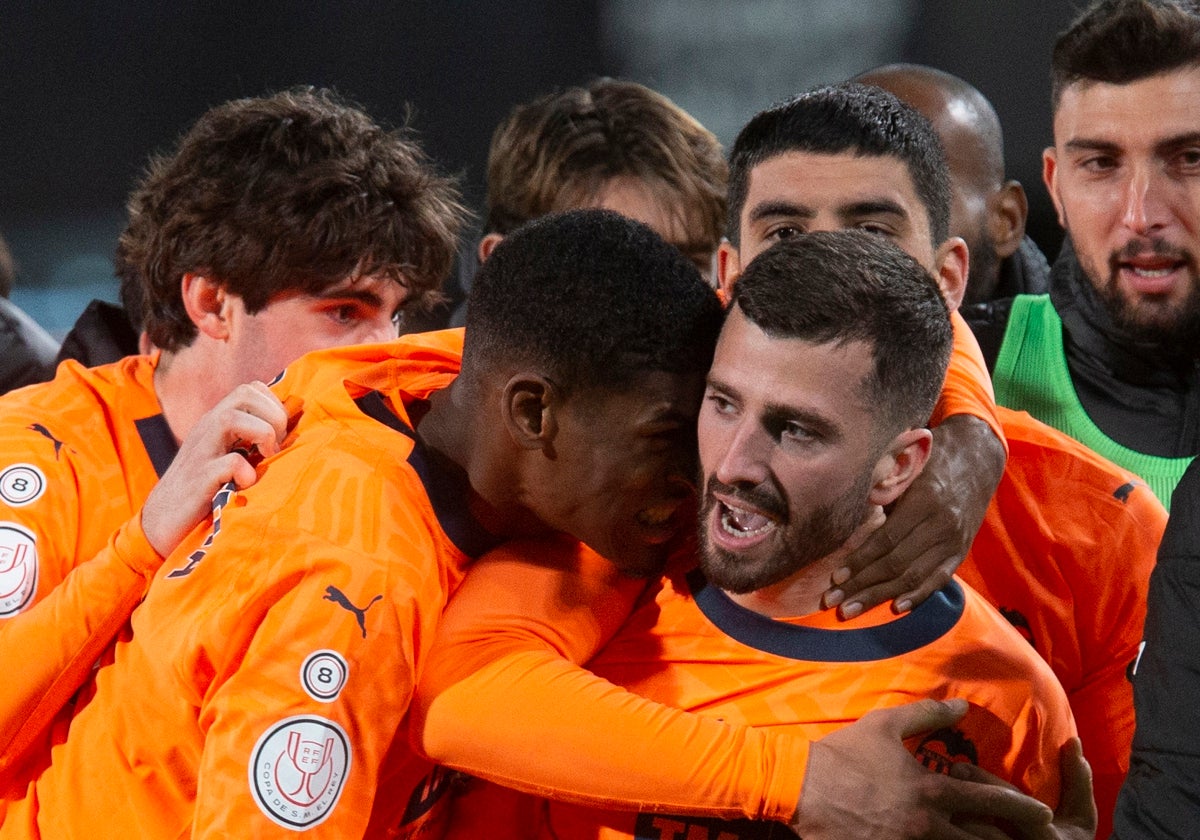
pixel 1075 818
pixel 930 528
pixel 862 782
pixel 249 418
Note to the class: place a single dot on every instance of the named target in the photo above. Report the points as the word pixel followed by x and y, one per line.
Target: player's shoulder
pixel 1054 465
pixel 988 633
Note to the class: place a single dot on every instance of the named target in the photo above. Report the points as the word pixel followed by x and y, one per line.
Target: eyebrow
pixel 1087 144
pixel 770 209
pixel 366 296
pixel 851 210
pixel 776 413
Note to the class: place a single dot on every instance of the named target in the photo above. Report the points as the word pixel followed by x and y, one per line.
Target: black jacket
pixel 26 350
pixel 1161 795
pixel 1143 394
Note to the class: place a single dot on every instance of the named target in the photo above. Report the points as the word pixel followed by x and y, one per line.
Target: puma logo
pixel 42 430
pixel 332 593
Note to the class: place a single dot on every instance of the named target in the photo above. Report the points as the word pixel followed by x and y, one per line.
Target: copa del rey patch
pixel 18 568
pixel 298 769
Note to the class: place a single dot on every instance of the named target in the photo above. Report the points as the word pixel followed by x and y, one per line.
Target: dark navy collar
pixel 159 442
pixel 444 482
pixel 927 622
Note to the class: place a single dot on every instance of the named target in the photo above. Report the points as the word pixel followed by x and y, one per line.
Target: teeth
pixel 655 516
pixel 743 523
pixel 1152 272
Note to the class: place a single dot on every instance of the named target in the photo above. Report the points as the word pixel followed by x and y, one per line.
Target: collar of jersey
pixel 444 483
pixel 927 622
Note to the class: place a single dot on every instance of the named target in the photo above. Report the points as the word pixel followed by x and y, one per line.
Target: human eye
pixel 779 232
pixel 797 431
pixel 344 314
pixel 876 227
pixel 1098 164
pixel 1188 160
pixel 719 403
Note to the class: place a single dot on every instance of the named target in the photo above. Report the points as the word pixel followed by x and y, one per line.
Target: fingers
pixel 1076 805
pixel 989 800
pixel 917 717
pixel 251 415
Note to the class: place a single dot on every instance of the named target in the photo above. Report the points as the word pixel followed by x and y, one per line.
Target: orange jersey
pixel 271 664
pixel 692 647
pixel 80 455
pixel 1065 552
pixel 967 388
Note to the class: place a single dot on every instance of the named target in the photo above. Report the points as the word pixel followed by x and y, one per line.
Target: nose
pixel 1145 201
pixel 743 457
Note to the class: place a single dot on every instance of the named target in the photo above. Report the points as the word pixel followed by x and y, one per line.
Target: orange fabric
pixel 1065 552
pixel 968 388
pixel 77 436
pixel 501 646
pixel 272 660
pixel 804 678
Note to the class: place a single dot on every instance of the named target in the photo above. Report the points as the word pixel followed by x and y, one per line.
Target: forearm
pixel 601 745
pixel 500 698
pixel 60 639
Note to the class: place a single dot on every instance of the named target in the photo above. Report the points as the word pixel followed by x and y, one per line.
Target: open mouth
pixel 743 523
pixel 658 522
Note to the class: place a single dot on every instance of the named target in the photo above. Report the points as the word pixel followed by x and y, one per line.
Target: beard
pixel 1168 322
pixel 794 544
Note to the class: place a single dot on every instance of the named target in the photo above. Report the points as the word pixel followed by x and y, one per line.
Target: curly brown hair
pixel 557 152
pixel 291 192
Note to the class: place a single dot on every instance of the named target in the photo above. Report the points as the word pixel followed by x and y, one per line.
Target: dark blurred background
pixel 87 93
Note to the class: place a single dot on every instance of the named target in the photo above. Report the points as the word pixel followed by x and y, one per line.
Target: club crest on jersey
pixel 298 769
pixel 944 747
pixel 323 675
pixel 18 568
pixel 22 484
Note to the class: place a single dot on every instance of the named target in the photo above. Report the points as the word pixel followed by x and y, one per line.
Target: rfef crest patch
pixel 18 568
pixel 324 675
pixel 298 769
pixel 22 484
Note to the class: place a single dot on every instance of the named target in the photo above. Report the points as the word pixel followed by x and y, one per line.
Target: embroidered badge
pixel 22 484
pixel 18 568
pixel 298 769
pixel 323 675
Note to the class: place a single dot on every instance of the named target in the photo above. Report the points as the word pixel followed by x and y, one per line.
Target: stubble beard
pixel 797 544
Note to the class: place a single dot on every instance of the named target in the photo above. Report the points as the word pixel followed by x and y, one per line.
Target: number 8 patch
pixel 22 484
pixel 323 675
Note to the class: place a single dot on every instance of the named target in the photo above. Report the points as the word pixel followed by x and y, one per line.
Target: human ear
pixel 1008 208
pixel 487 245
pixel 1050 179
pixel 953 262
pixel 729 269
pixel 529 411
pixel 900 464
pixel 207 304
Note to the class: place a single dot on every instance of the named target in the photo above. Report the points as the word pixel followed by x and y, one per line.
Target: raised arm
pixel 60 638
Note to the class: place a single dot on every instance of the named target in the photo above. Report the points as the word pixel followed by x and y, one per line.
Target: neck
pixel 187 384
pixel 796 596
pixel 475 441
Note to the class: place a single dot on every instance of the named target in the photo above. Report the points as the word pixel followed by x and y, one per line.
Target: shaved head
pixel 967 125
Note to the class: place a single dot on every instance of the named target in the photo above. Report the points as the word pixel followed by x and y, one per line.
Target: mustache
pixel 1156 247
pixel 760 497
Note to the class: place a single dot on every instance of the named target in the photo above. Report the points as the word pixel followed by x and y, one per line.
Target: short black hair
pixel 846 117
pixel 594 299
pixel 849 285
pixel 1123 41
